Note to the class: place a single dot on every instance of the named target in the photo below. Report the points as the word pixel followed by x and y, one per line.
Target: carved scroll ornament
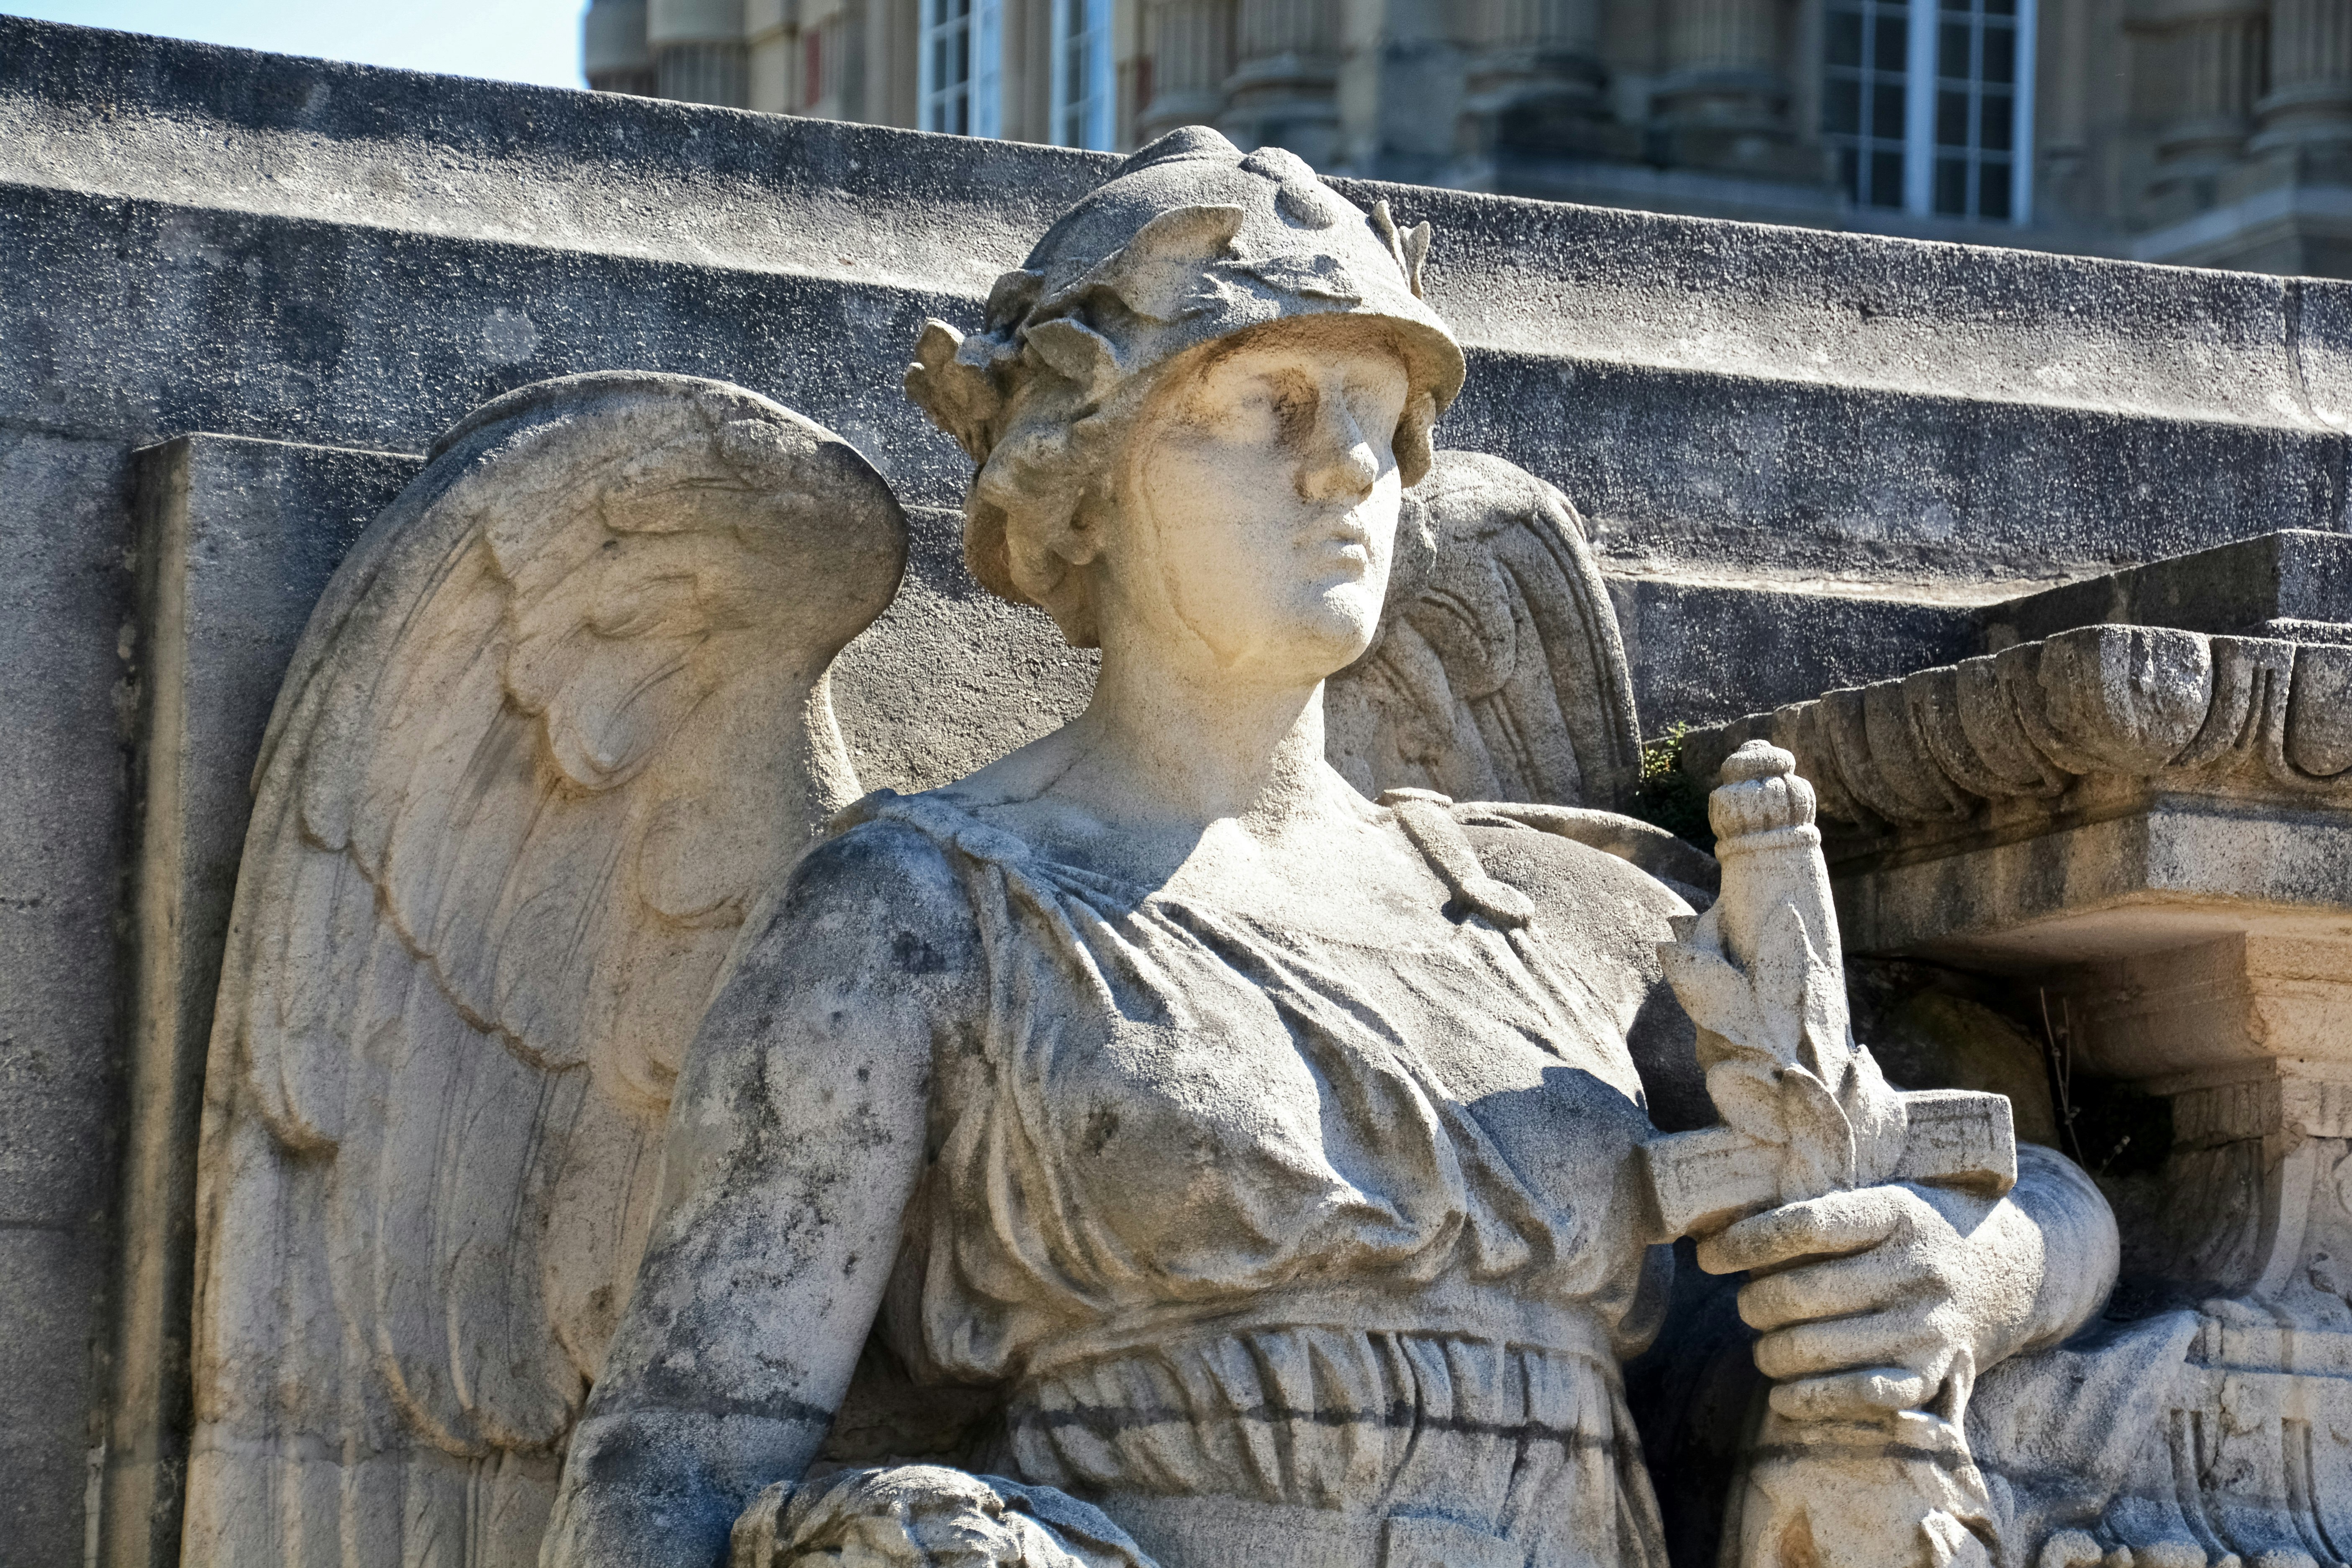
pixel 2020 729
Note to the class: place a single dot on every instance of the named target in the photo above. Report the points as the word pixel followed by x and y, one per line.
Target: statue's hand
pixel 1883 1299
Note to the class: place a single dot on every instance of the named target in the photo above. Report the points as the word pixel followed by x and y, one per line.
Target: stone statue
pixel 1149 1149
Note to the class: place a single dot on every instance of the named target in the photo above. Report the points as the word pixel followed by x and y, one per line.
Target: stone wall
pixel 1805 456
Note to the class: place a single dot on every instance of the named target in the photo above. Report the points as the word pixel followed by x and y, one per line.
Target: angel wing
pixel 1498 673
pixel 558 720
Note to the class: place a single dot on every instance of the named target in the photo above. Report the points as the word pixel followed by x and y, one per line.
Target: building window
pixel 1928 104
pixel 961 67
pixel 1976 106
pixel 1083 87
pixel 1865 110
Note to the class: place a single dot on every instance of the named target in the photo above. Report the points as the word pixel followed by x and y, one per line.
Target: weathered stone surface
pixel 2295 585
pixel 237 538
pixel 65 577
pixel 951 677
pixel 1169 930
pixel 2150 830
pixel 235 541
pixel 53 1281
pixel 1705 652
pixel 333 254
pixel 556 724
pixel 1850 440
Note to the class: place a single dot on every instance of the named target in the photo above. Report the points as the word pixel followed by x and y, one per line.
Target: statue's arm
pixel 795 1140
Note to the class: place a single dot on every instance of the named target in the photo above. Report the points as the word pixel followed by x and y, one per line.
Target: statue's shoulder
pixel 1607 890
pixel 1590 870
pixel 883 886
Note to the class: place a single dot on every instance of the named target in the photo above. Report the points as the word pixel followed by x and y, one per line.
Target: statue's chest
pixel 1220 1099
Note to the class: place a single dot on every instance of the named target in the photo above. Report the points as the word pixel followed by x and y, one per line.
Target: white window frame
pixel 1092 102
pixel 980 27
pixel 1919 114
pixel 988 68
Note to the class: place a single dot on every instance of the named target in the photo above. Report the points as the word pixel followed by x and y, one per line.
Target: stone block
pixel 1723 401
pixel 951 677
pixel 52 1288
pixel 2294 584
pixel 66 580
pixel 235 541
pixel 1705 652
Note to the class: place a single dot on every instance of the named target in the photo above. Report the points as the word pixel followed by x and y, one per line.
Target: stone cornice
pixel 2041 730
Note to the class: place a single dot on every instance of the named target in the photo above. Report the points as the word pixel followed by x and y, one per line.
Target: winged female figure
pixel 1156 1147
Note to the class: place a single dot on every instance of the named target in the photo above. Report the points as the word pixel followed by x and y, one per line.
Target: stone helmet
pixel 1189 242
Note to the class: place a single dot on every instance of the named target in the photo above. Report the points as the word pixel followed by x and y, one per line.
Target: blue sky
pixel 512 40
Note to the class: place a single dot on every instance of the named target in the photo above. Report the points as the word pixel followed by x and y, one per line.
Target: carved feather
pixel 1498 674
pixel 559 720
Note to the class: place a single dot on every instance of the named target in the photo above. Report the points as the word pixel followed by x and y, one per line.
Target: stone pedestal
pixel 2149 832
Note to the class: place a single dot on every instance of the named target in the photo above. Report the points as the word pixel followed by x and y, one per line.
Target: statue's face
pixel 1258 511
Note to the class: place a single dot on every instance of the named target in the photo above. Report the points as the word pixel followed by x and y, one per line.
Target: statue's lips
pixel 1343 540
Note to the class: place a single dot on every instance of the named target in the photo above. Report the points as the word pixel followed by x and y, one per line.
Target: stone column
pixel 1190 46
pixel 1723 102
pixel 1283 91
pixel 2216 74
pixel 699 49
pixel 2310 98
pixel 613 53
pixel 1535 78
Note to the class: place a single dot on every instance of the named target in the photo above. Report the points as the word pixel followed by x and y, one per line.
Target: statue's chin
pixel 1323 645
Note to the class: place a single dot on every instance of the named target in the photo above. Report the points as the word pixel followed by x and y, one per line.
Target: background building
pixel 2210 132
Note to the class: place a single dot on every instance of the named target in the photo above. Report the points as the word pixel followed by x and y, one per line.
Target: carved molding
pixel 2024 731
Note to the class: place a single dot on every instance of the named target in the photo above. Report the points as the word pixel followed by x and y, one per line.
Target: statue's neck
pixel 1188 747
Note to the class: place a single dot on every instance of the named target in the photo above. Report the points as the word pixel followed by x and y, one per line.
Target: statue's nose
pixel 1341 464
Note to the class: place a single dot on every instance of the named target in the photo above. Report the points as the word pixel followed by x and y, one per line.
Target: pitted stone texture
pixel 2295 585
pixel 235 541
pixel 333 254
pixel 199 239
pixel 65 712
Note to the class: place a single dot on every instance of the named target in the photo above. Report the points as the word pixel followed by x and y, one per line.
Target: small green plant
pixel 1668 796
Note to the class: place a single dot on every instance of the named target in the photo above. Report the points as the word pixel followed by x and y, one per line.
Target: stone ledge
pixel 274 135
pixel 2112 792
pixel 2050 731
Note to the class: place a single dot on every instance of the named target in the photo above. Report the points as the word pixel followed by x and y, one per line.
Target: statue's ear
pixel 1412 443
